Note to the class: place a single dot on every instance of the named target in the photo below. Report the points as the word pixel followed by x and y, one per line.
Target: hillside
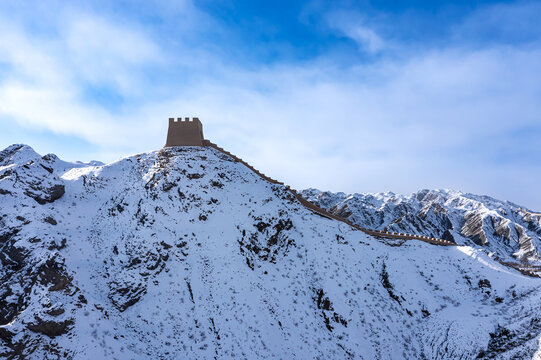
pixel 186 253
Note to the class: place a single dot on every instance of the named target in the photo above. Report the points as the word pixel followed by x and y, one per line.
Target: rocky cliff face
pixel 499 227
pixel 185 253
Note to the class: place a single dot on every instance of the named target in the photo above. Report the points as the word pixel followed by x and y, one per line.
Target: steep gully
pixel 313 207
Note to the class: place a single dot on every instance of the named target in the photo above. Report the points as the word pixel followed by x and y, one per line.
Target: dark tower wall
pixel 184 133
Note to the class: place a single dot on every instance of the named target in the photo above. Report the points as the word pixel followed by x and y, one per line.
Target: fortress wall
pixel 325 213
pixel 184 132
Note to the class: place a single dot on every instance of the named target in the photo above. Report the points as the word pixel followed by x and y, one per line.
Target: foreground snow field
pixel 184 253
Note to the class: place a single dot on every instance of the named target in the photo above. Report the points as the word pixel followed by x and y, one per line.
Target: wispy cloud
pixel 49 76
pixel 367 38
pixel 104 53
pixel 356 27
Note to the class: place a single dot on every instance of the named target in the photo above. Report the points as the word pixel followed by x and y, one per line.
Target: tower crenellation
pixel 187 132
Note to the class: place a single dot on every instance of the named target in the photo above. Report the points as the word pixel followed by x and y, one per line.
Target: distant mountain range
pixel 185 253
pixel 501 228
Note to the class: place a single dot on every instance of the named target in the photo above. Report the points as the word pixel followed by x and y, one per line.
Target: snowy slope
pixel 499 227
pixel 184 253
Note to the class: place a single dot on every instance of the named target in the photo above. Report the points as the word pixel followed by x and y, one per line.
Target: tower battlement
pixel 184 132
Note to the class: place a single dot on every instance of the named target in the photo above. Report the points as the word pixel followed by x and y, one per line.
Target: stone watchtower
pixel 184 133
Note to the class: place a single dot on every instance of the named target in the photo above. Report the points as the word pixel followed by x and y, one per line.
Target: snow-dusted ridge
pixel 186 253
pixel 503 228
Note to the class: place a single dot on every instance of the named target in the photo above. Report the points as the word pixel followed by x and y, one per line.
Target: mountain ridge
pixel 501 227
pixel 184 252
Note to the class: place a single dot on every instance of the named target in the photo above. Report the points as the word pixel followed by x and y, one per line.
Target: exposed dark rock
pixel 124 295
pixel 342 211
pixel 448 236
pixel 10 305
pixel 194 176
pixel 48 169
pixel 50 157
pixel 8 152
pixel 503 340
pixel 8 234
pixel 6 335
pixel 55 246
pixel 55 311
pixel 267 242
pixel 168 186
pixel 13 257
pixel 50 328
pixel 484 284
pixel 48 195
pixel 53 273
pixel 50 220
pixel 165 245
pixel 384 276
pixel 329 315
pixel 262 226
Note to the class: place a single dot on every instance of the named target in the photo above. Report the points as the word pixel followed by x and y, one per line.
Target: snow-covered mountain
pixel 185 253
pixel 500 227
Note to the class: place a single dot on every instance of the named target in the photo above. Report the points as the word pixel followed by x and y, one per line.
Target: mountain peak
pixel 17 153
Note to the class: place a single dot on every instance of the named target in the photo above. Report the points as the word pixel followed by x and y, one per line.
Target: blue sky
pixel 353 96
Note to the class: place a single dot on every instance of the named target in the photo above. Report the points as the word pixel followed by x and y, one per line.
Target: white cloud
pixel 355 26
pixel 439 119
pixel 102 52
pixel 49 74
pixel 366 38
pixel 433 119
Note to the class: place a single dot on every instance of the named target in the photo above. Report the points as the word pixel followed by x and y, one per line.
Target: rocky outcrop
pixel 44 195
pixel 50 328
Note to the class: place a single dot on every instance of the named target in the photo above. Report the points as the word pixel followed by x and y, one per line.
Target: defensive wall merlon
pixel 190 133
pixel 184 132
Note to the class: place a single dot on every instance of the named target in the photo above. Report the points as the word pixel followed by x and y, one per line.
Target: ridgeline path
pixel 313 207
